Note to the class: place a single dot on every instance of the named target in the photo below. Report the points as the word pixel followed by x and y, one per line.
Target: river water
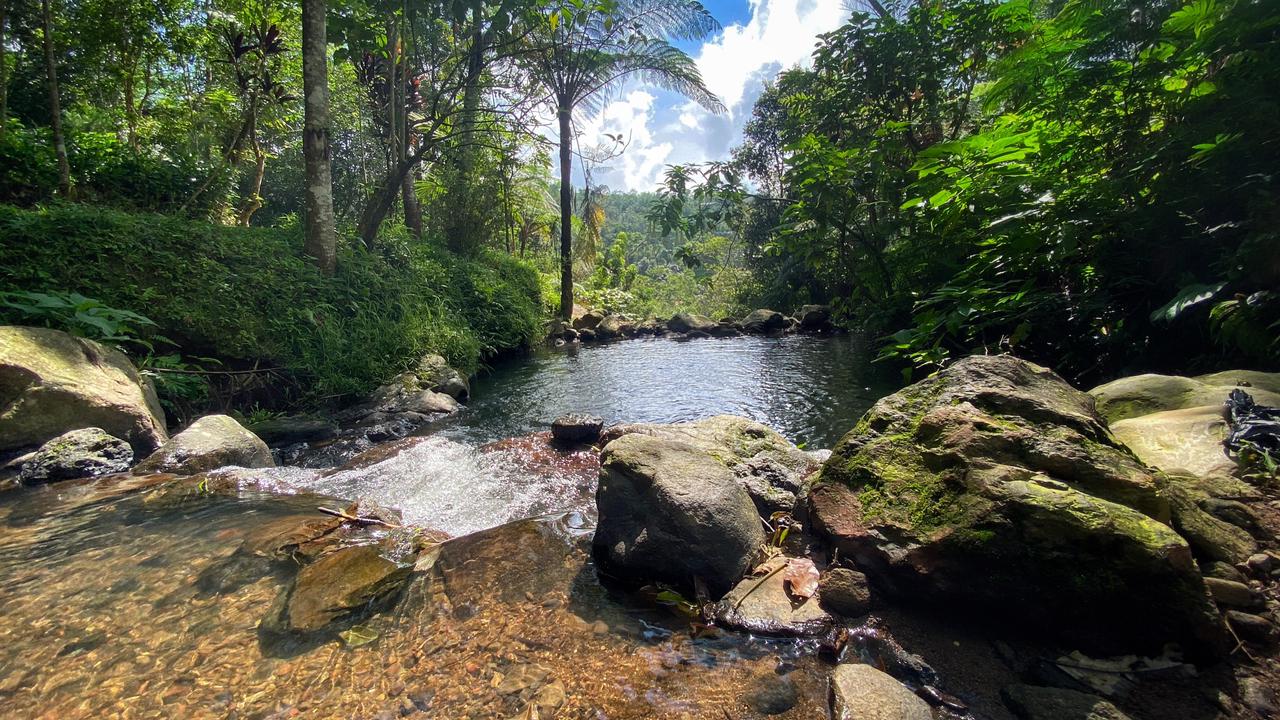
pixel 134 597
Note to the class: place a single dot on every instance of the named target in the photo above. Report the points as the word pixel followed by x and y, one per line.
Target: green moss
pixel 895 486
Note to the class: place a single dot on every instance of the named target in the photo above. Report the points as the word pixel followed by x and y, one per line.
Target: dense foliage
pixel 250 298
pixel 1089 184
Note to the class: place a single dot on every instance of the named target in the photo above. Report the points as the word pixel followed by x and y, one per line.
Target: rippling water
pixel 811 389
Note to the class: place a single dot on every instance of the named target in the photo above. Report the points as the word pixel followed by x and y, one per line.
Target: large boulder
pixel 341 584
pixel 995 485
pixel 762 605
pixel 688 322
pixel 613 327
pixel 760 322
pixel 1139 395
pixel 672 512
pixel 861 692
pixel 87 452
pixel 765 464
pixel 210 442
pixel 813 318
pixel 588 320
pixel 52 382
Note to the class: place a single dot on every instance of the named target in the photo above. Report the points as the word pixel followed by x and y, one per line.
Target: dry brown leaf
pixel 800 578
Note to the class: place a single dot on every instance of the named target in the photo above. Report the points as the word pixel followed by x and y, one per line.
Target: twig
pixel 364 520
pixel 1239 643
pixel 213 372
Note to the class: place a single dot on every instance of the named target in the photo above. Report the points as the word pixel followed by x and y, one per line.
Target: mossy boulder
pixel 996 486
pixel 1139 395
pixel 209 443
pixel 52 382
pixel 87 452
pixel 760 322
pixel 689 322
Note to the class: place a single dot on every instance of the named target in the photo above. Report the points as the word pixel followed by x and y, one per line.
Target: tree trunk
pixel 462 221
pixel 566 212
pixel 254 202
pixel 382 200
pixel 4 68
pixel 55 105
pixel 408 193
pixel 321 233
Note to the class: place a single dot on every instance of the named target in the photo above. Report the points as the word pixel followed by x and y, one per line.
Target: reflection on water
pixel 105 616
pixel 810 389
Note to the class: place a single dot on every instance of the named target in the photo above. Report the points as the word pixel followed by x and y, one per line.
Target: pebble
pixel 1251 627
pixel 1260 563
pixel 1232 593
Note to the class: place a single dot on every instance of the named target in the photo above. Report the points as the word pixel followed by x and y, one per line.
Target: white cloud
pixel 665 128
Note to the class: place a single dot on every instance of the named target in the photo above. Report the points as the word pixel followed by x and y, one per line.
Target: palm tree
pixel 587 47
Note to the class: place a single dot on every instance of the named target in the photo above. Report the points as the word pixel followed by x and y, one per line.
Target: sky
pixel 759 38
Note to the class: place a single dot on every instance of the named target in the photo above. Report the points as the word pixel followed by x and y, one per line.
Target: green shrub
pixel 248 296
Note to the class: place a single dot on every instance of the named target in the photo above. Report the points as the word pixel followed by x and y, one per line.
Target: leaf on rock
pixel 358 635
pixel 800 578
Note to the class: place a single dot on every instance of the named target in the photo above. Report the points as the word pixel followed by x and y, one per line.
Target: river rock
pixel 1139 395
pixel 761 322
pixel 689 323
pixel 613 327
pixel 52 382
pixel 588 320
pixel 767 465
pixel 995 485
pixel 672 512
pixel 861 692
pixel 343 583
pixel 1253 628
pixel 725 330
pixel 844 591
pixel 210 442
pixel 814 318
pixel 1045 703
pixel 761 605
pixel 577 428
pixel 289 429
pixel 87 452
pixel 1233 594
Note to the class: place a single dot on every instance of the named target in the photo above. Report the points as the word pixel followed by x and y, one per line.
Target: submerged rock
pixel 577 428
pixel 210 442
pixel 344 583
pixel 861 692
pixel 1044 703
pixel 287 429
pixel 762 605
pixel 670 511
pixel 52 382
pixel 87 452
pixel 995 484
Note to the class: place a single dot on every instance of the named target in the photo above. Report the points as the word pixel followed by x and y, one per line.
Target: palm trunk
pixel 55 105
pixel 566 213
pixel 321 233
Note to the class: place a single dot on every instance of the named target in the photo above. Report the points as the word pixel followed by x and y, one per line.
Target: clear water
pixel 810 389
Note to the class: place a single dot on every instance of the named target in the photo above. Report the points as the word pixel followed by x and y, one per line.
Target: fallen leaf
pixel 800 578
pixel 358 635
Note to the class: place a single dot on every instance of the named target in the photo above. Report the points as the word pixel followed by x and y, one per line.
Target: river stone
pixel 52 382
pixel 425 389
pixel 814 317
pixel 761 605
pixel 210 442
pixel 290 429
pixel 1233 594
pixel 760 322
pixel 87 452
pixel 1139 395
pixel 861 692
pixel 1184 440
pixel 725 330
pixel 588 320
pixel 1045 703
pixel 767 465
pixel 690 323
pixel 613 327
pixel 773 694
pixel 1253 628
pixel 343 583
pixel 995 486
pixel 672 512
pixel 575 428
pixel 844 591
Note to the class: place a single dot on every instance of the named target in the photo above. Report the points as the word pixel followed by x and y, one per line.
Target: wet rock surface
pixel 861 692
pixel 54 382
pixel 762 604
pixel 210 442
pixel 1043 703
pixel 576 428
pixel 341 584
pixel 845 592
pixel 87 452
pixel 998 469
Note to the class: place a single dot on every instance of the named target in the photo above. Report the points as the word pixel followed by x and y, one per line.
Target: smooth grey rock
pixel 689 323
pixel 210 442
pixel 861 692
pixel 760 322
pixel 1233 594
pixel 844 591
pixel 1044 703
pixel 761 605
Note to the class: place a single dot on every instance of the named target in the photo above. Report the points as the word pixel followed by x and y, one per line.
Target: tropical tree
pixel 585 48
pixel 320 226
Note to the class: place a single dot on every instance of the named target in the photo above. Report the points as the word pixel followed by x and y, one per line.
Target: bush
pixel 248 296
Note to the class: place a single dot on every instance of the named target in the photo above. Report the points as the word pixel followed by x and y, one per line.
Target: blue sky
pixel 759 39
